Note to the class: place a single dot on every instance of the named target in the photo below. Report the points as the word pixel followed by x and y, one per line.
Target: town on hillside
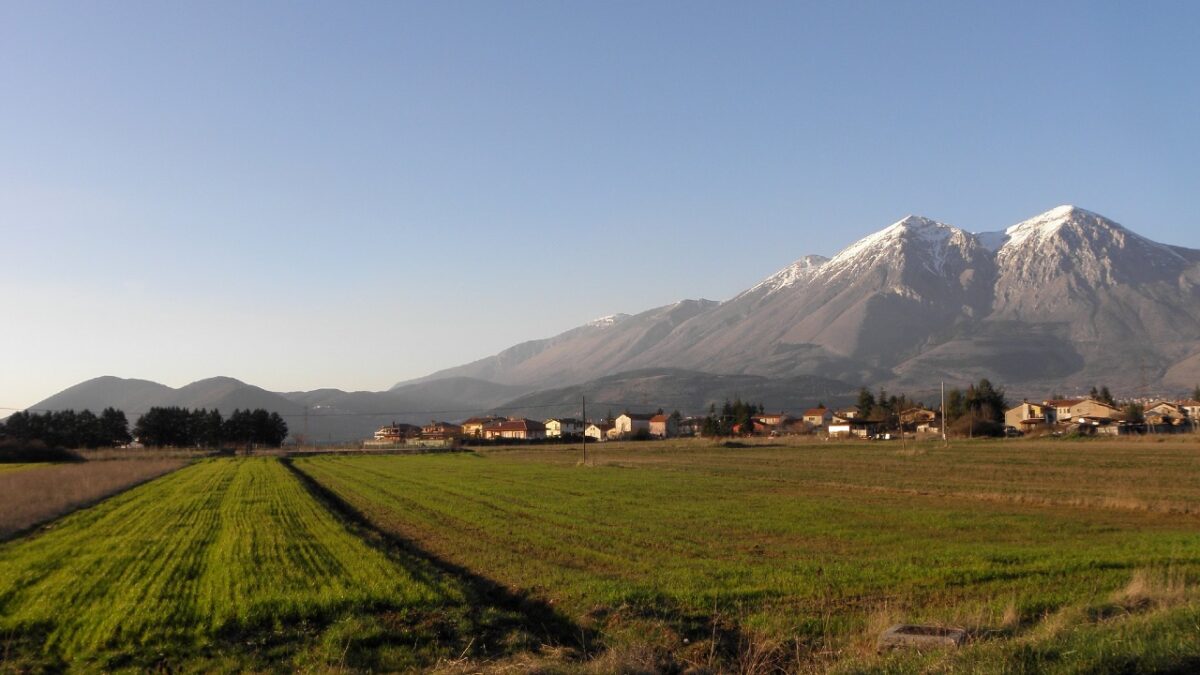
pixel 1094 415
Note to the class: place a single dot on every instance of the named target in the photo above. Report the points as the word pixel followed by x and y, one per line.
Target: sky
pixel 305 195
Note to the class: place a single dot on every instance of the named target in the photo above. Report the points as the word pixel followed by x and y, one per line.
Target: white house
pixel 558 427
pixel 629 424
pixel 598 430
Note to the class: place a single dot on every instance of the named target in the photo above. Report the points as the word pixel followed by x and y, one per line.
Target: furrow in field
pixel 224 545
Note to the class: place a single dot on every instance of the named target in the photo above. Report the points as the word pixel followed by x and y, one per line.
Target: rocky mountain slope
pixel 671 389
pixel 1065 298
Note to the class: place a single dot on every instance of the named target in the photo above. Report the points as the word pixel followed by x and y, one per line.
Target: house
pixel 1192 408
pixel 557 427
pixel 920 420
pixel 395 433
pixel 772 419
pixel 473 427
pixel 629 424
pixel 598 430
pixel 846 414
pixel 691 426
pixel 664 426
pixel 1067 411
pixel 817 417
pixel 440 431
pixel 1158 421
pixel 853 428
pixel 1172 412
pixel 1029 416
pixel 519 429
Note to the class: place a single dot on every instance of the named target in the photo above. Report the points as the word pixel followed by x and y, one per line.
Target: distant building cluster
pixel 847 423
pixel 1090 416
pixel 1087 416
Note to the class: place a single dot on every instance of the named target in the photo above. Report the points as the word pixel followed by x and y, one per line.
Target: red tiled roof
pixel 517 425
pixel 659 419
pixel 816 412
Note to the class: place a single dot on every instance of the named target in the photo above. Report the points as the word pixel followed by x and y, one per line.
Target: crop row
pixel 692 537
pixel 219 549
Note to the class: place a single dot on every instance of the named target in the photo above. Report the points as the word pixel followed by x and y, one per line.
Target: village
pixel 1085 416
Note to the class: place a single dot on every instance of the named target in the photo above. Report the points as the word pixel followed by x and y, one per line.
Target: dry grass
pixel 1153 587
pixel 36 495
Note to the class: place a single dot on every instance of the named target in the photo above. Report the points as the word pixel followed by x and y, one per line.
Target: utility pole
pixel 583 423
pixel 943 410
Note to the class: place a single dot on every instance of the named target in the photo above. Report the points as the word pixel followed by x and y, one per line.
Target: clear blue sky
pixel 351 194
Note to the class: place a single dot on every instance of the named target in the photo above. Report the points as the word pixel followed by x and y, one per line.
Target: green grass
pixel 18 466
pixel 227 564
pixel 797 556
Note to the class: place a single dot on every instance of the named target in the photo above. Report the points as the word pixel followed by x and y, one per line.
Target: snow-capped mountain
pixel 1065 297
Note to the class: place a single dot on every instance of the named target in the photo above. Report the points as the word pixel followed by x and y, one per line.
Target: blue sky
pixel 351 194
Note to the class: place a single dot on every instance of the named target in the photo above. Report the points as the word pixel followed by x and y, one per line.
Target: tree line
pixel 738 413
pixel 68 429
pixel 159 427
pixel 201 428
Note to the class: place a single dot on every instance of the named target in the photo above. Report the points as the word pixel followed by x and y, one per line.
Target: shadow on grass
pixel 500 621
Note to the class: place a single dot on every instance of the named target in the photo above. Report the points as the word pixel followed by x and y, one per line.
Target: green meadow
pixel 227 564
pixel 1054 556
pixel 679 555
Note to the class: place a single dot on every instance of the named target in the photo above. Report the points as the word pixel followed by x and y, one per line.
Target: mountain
pixel 137 396
pixel 102 392
pixel 596 348
pixel 324 414
pixel 1067 298
pixel 691 392
pixel 1063 301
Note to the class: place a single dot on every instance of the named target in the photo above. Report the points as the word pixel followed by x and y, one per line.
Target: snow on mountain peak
pixel 791 275
pixel 930 235
pixel 606 321
pixel 1042 227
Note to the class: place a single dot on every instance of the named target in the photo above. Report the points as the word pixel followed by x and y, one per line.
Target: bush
pixel 34 451
pixel 977 427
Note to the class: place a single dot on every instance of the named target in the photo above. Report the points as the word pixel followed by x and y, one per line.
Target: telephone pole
pixel 943 411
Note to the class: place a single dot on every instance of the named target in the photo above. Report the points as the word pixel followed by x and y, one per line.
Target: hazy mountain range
pixel 1058 302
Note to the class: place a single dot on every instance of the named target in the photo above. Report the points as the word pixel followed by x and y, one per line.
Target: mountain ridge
pixel 1054 300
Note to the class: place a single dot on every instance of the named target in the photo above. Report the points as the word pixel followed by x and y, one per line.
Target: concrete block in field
pixel 910 636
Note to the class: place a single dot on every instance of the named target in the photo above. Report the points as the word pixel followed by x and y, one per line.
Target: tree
pixel 114 427
pixel 1093 394
pixel 866 402
pixel 1196 393
pixel 985 401
pixel 956 405
pixel 1106 396
pixel 1135 413
pixel 165 427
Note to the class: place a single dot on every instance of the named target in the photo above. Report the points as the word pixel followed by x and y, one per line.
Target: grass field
pixel 1055 555
pixel 36 493
pixel 227 564
pixel 16 466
